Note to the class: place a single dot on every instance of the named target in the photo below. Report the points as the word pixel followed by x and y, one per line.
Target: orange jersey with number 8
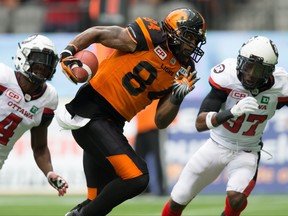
pixel 130 81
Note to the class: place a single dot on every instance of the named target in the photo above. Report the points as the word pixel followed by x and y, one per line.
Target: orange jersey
pixel 130 81
pixel 145 118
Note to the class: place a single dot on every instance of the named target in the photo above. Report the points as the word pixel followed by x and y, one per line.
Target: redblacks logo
pixel 238 94
pixel 219 68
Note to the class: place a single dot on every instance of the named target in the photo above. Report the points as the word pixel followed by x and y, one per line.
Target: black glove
pixel 70 50
pixel 67 59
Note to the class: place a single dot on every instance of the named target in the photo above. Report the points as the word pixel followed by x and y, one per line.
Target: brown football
pixel 89 68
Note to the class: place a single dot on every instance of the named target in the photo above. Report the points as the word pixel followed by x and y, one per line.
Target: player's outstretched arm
pixel 43 159
pixel 165 112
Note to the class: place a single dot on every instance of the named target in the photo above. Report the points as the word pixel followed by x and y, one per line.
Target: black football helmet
pixel 256 62
pixel 182 26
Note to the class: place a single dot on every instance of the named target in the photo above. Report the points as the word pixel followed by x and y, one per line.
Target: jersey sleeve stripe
pixel 131 36
pixel 48 115
pixel 2 89
pixel 145 32
pixel 214 84
pixel 282 99
pixel 48 111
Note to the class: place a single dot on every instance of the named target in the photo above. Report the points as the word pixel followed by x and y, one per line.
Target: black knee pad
pixel 138 184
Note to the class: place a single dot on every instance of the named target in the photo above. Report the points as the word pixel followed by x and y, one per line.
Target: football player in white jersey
pixel 245 94
pixel 28 103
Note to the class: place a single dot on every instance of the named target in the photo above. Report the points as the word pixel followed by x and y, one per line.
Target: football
pixel 89 68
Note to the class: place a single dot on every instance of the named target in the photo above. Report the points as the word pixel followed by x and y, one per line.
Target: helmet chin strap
pixel 35 79
pixel 27 88
pixel 178 53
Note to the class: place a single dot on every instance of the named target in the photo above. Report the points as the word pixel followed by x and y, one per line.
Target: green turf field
pixel 39 205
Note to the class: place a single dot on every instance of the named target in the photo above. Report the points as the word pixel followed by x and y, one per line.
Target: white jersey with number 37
pixel 244 132
pixel 19 114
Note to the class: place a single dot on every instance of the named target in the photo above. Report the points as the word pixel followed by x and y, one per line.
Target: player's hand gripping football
pixel 245 105
pixel 67 60
pixel 57 182
pixel 184 83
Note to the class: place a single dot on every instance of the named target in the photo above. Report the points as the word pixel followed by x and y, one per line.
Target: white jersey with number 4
pixel 17 114
pixel 244 132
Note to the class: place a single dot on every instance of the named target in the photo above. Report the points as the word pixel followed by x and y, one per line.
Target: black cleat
pixel 76 209
pixel 74 212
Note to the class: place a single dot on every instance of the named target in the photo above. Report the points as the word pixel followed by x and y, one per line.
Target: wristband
pixel 47 176
pixel 209 120
pixel 71 48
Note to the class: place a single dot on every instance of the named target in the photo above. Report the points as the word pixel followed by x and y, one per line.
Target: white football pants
pixel 205 166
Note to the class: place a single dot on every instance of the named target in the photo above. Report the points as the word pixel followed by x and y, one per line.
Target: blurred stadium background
pixel 230 23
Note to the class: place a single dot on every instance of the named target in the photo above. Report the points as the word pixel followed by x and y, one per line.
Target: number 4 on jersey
pixel 7 127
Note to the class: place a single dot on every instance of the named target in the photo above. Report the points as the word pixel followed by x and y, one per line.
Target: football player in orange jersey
pixel 151 61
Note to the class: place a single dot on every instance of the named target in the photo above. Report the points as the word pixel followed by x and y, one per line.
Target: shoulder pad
pixel 281 79
pixel 51 96
pixel 147 33
pixel 223 74
pixel 7 74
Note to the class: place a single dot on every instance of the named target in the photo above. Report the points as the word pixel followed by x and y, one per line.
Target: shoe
pixel 82 204
pixel 78 208
pixel 74 212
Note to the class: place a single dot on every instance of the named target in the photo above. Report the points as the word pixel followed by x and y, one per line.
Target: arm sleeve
pixel 213 101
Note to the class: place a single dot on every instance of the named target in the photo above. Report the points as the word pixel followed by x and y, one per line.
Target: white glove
pixel 245 105
pixel 57 182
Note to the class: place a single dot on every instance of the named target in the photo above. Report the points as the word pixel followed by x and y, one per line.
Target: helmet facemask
pixel 252 72
pixel 36 59
pixel 186 30
pixel 181 45
pixel 256 62
pixel 47 59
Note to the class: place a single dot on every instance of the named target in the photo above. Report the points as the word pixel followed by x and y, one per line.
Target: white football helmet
pixel 36 49
pixel 260 55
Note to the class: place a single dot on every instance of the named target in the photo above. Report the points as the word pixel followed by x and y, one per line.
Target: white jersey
pixel 17 114
pixel 244 132
pixel 230 141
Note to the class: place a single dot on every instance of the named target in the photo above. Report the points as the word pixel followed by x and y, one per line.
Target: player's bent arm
pixel 114 37
pixel 209 115
pixel 210 120
pixel 166 112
